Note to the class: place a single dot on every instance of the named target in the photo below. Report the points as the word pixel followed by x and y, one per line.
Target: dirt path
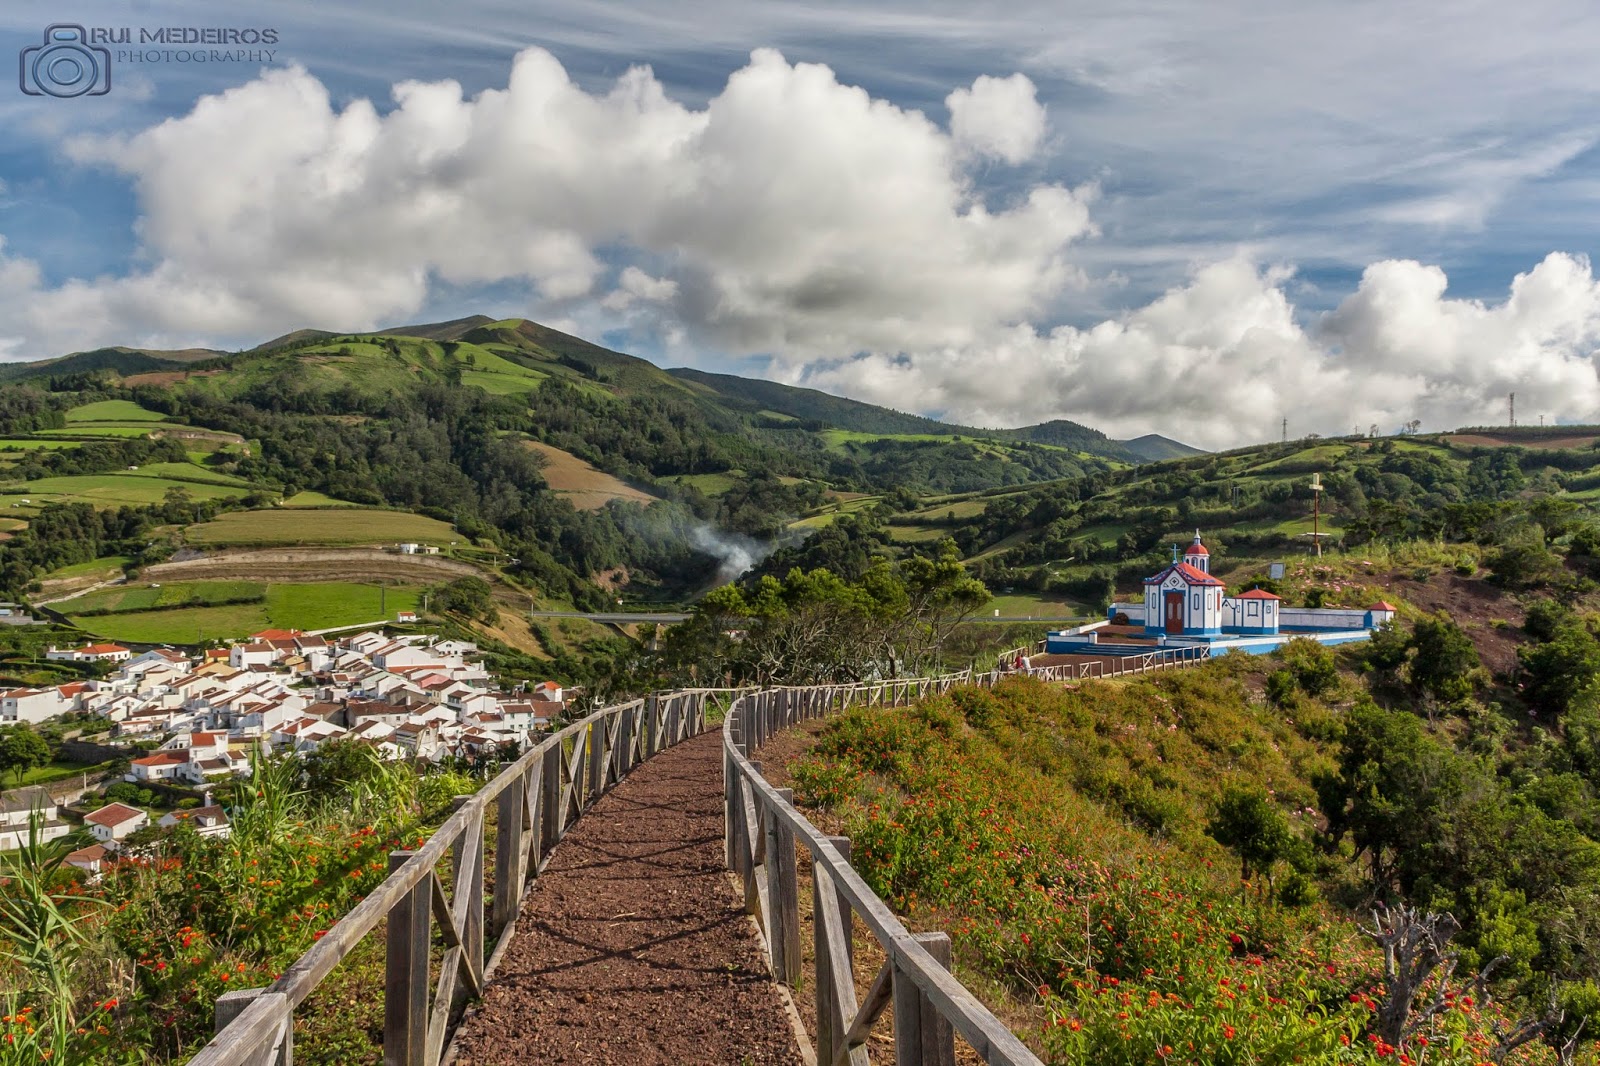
pixel 632 947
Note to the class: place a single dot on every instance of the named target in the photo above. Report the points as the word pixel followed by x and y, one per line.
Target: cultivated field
pixel 350 525
pixel 129 488
pixel 585 487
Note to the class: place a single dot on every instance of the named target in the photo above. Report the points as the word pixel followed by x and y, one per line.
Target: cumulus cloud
pixel 793 217
pixel 792 213
pixel 1220 360
pixel 999 117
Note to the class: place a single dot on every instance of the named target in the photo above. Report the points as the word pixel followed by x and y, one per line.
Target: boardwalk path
pixel 632 947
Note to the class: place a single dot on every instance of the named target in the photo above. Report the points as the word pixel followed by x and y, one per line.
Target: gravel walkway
pixel 632 947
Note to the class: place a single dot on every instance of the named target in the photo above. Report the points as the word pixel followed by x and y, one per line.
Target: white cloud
pixel 792 213
pixel 1220 360
pixel 999 117
pixel 792 217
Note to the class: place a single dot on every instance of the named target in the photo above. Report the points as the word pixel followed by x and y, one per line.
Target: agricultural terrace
pixel 336 526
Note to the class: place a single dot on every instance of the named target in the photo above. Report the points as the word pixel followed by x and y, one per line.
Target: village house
pixel 209 821
pixel 91 860
pixel 114 823
pixel 17 809
pixel 30 705
pixel 90 653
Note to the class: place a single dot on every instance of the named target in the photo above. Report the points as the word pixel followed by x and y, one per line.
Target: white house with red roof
pixel 90 653
pixel 158 766
pixel 31 705
pixel 209 821
pixel 91 859
pixel 113 823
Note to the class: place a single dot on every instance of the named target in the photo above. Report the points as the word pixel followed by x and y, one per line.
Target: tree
pixel 469 596
pixel 21 750
pixel 1445 659
pixel 1554 672
pixel 1247 821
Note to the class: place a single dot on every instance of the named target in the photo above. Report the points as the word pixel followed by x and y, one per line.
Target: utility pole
pixel 1512 404
pixel 1316 512
pixel 1286 431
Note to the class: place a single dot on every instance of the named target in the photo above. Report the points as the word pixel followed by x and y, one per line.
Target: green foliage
pixel 1247 821
pixel 1556 670
pixel 471 597
pixel 1525 561
pixel 131 794
pixel 1444 658
pixel 21 750
pixel 1311 665
pixel 817 626
pixel 995 815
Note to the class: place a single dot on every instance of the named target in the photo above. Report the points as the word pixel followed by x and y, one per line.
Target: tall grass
pixel 128 970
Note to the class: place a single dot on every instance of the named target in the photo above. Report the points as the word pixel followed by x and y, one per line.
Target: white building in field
pixel 114 823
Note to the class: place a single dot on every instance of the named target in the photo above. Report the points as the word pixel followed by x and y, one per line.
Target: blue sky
pixel 1218 186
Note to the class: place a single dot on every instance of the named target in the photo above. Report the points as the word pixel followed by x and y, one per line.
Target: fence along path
pixel 536 801
pixel 763 830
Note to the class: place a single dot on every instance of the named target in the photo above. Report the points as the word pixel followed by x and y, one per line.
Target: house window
pixel 1251 609
pixel 1197 599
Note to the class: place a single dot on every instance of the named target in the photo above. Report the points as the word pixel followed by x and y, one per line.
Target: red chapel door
pixel 1174 615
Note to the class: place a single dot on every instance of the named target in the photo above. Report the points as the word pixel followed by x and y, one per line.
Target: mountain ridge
pixel 749 396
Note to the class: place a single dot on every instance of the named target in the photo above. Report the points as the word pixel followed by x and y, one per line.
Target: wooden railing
pixel 536 800
pixel 763 828
pixel 1143 663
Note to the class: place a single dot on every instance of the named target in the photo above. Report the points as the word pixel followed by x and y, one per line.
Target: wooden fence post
pixel 468 852
pixel 594 781
pixel 783 895
pixel 842 845
pixel 405 985
pixel 508 871
pixel 938 1038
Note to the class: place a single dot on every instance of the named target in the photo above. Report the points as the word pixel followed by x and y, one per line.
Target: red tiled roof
pixel 92 853
pixel 1381 605
pixel 1197 549
pixel 1258 594
pixel 113 814
pixel 275 634
pixel 163 758
pixel 102 649
pixel 1190 575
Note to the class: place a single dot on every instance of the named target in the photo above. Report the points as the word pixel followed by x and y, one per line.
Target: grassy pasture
pixel 307 606
pixel 584 486
pixel 113 411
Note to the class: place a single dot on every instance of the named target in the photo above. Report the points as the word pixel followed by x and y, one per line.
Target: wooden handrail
pixel 538 798
pixel 920 985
